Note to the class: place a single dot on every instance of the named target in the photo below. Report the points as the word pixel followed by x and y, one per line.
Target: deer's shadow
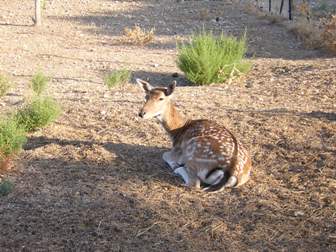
pixel 130 160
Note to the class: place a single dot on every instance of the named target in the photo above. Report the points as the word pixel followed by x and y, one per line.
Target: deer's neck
pixel 173 122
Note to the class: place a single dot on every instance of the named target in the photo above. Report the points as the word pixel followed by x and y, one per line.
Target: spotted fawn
pixel 205 154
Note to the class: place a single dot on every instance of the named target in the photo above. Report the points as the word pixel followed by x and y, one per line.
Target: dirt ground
pixel 95 181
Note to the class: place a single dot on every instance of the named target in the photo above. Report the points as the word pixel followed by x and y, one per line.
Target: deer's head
pixel 157 99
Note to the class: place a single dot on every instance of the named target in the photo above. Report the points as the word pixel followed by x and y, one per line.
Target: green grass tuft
pixel 4 85
pixel 38 114
pixel 117 78
pixel 5 187
pixel 12 137
pixel 209 59
pixel 39 83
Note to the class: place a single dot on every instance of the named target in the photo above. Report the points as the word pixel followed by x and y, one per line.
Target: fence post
pixel 308 10
pixel 269 5
pixel 290 4
pixel 281 6
pixel 37 12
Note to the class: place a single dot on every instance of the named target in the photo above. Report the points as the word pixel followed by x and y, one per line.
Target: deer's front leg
pixel 171 158
pixel 189 179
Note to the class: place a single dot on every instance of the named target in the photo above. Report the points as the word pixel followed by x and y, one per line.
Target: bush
pixel 322 9
pixel 38 114
pixel 4 85
pixel 12 138
pixel 39 83
pixel 307 32
pixel 5 187
pixel 117 77
pixel 208 59
pixel 138 36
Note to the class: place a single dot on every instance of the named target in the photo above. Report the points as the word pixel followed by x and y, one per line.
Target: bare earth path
pixel 94 181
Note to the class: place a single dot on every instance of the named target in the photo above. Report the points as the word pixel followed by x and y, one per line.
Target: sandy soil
pixel 95 181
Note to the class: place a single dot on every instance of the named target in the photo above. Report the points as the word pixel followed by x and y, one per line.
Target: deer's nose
pixel 142 113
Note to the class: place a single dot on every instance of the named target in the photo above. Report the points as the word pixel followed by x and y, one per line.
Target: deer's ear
pixel 171 88
pixel 145 85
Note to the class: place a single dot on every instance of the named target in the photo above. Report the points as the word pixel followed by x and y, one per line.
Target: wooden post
pixel 38 12
pixel 281 6
pixel 308 10
pixel 290 4
pixel 269 5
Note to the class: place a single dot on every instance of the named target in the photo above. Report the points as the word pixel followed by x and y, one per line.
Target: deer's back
pixel 212 141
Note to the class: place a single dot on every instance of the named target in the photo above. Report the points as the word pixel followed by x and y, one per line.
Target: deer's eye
pixel 161 99
pixel 146 97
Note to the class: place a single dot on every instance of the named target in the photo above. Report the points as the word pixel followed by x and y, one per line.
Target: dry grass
pixel 307 32
pixel 304 30
pixel 204 14
pixel 314 36
pixel 138 36
pixel 253 9
pixel 273 19
pixel 329 33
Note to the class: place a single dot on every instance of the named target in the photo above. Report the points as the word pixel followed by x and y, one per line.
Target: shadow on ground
pixel 329 116
pixel 85 205
pixel 144 161
pixel 161 79
pixel 79 206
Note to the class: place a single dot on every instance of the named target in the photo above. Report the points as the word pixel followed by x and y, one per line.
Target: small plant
pixel 38 114
pixel 117 77
pixel 39 83
pixel 209 59
pixel 12 138
pixel 138 36
pixel 322 6
pixel 4 85
pixel 5 187
pixel 304 9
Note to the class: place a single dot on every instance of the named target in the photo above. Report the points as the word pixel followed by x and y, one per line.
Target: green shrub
pixel 4 85
pixel 117 78
pixel 39 83
pixel 209 59
pixel 321 6
pixel 38 114
pixel 12 137
pixel 5 187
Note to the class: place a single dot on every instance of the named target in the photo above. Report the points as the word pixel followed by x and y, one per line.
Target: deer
pixel 204 153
